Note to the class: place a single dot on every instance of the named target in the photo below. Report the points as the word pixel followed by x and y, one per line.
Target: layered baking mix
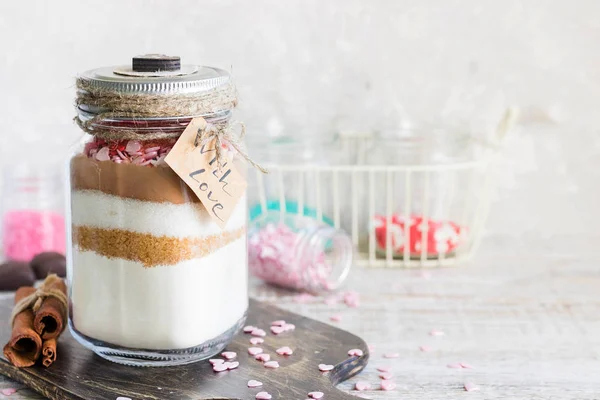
pixel 147 255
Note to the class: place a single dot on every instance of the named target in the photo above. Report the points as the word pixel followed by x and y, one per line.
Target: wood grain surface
pixel 78 374
pixel 525 314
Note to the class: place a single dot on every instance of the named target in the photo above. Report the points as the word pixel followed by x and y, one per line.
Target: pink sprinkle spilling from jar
pixel 425 348
pixel 30 232
pixel 8 391
pixel 436 332
pixel 336 318
pixel 362 385
pixel 352 299
pixel 256 340
pixel 391 355
pixel 272 258
pixel 258 332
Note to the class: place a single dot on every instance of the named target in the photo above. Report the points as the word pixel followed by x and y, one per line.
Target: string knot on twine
pixel 225 134
pixel 35 300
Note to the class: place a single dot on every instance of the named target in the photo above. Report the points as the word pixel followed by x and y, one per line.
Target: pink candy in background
pixel 26 233
pixel 276 255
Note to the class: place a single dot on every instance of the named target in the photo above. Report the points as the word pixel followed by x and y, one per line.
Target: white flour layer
pixel 164 307
pixel 97 209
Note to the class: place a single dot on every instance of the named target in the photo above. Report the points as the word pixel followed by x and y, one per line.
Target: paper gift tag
pixel 219 190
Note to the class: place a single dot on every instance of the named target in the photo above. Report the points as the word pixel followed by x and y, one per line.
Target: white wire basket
pixel 381 206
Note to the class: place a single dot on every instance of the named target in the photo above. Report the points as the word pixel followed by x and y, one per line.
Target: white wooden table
pixel 525 314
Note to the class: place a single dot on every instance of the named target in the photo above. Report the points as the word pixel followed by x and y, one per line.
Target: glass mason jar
pixel 146 261
pixel 429 190
pixel 32 211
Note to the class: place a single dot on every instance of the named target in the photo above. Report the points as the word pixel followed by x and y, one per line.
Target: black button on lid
pixel 156 63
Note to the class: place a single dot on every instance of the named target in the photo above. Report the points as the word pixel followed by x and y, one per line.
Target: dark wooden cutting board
pixel 80 374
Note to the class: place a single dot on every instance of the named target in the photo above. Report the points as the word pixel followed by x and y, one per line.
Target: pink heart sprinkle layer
pixel 8 391
pixel 254 351
pixel 253 383
pixel 258 332
pixel 249 328
pixel 362 385
pixel 256 340
pixel 387 385
pixel 355 352
pixel 386 376
pixel 263 396
pixel 316 395
pixel 279 322
pixel 262 357
pixel 284 351
pixel 325 367
pixel 470 387
pixel 391 355
pixel 271 364
pixel 229 355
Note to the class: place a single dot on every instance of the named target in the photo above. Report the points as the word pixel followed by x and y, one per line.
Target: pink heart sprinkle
pixel 355 352
pixel 254 350
pixel 220 367
pixel 289 327
pixel 435 332
pixel 253 384
pixel 256 340
pixel 271 364
pixel 249 328
pixel 316 395
pixel 232 365
pixel 325 367
pixel 8 391
pixel 383 369
pixel 278 323
pixel 214 361
pixel 425 348
pixel 262 357
pixel 386 376
pixel 471 387
pixel 284 351
pixel 103 154
pixel 277 330
pixel 336 318
pixel 263 396
pixel 133 146
pixel 391 355
pixel 123 398
pixel 229 355
pixel 388 385
pixel 362 385
pixel 465 365
pixel 454 365
pixel 258 332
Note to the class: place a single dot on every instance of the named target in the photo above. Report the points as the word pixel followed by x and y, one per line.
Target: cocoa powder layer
pixel 157 184
pixel 148 249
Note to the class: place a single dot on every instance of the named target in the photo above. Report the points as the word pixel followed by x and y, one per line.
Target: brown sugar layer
pixel 158 184
pixel 148 249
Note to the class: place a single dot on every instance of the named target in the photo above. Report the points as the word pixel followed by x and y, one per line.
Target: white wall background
pixel 317 66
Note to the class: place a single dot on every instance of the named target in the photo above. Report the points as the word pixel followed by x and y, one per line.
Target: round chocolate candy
pixel 14 274
pixel 49 263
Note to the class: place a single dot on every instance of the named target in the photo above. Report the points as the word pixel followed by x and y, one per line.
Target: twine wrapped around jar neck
pixel 136 106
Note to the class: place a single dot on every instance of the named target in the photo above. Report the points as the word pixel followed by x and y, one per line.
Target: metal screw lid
pixel 156 74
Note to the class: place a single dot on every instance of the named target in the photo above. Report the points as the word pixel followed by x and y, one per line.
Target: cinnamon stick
pixel 50 318
pixel 48 352
pixel 25 344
